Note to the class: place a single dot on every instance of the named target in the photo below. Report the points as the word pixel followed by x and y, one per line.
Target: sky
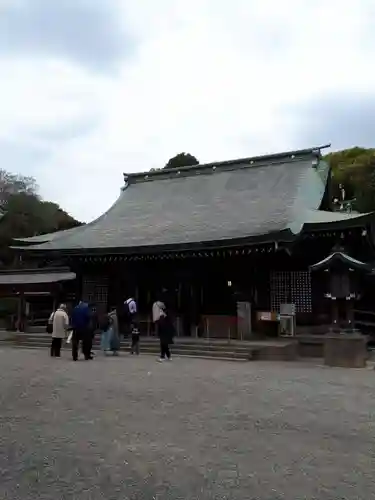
pixel 94 88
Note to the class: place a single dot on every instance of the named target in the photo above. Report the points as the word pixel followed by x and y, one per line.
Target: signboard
pixel 288 309
pixel 267 316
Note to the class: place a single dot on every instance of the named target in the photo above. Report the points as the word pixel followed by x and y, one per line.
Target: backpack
pixel 126 310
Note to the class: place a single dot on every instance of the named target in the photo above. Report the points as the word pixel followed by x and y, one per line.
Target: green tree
pixel 354 169
pixel 182 160
pixel 23 213
pixel 12 184
pixel 28 215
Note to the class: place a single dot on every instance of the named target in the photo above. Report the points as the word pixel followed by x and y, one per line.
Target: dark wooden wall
pixel 212 285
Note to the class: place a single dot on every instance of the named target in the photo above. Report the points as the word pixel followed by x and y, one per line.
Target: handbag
pixel 49 327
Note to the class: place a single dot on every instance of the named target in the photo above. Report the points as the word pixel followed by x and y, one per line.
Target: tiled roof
pixel 252 198
pixel 41 238
pixel 35 276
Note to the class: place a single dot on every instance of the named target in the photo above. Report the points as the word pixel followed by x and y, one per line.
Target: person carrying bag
pixel 60 326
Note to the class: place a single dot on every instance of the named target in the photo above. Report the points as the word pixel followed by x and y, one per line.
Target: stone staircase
pixel 277 350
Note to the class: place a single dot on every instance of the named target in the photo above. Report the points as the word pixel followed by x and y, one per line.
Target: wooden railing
pixel 217 326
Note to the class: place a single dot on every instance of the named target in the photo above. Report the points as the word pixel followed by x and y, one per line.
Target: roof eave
pixel 283 236
pixel 35 277
pixel 357 222
pixel 342 258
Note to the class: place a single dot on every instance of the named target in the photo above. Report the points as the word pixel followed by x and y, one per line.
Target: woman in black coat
pixel 166 334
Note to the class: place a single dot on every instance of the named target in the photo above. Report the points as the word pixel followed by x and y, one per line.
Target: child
pixel 135 340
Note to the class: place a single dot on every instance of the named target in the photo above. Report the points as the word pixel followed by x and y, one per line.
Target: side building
pixel 212 236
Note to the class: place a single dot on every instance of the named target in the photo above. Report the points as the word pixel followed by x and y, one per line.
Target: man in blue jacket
pixel 81 324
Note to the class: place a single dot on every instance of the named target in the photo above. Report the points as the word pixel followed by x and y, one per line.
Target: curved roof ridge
pixel 251 161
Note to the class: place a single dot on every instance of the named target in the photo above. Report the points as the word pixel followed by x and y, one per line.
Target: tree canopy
pixel 354 169
pixel 23 213
pixel 182 160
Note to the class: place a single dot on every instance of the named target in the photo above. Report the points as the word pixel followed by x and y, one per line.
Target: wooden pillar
pixel 19 311
pixel 149 317
pixel 179 295
pixel 335 314
pixel 350 313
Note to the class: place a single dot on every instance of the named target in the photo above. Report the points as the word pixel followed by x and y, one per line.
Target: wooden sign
pixel 267 316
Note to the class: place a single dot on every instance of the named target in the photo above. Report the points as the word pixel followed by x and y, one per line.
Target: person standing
pixel 130 312
pixel 158 309
pixel 60 325
pixel 81 323
pixel 135 339
pixel 165 331
pixel 130 315
pixel 105 328
pixel 114 336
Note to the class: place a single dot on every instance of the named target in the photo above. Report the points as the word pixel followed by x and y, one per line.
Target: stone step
pixel 271 351
pixel 37 329
pixel 147 348
pixel 38 332
pixel 153 341
pixel 153 354
pixel 154 347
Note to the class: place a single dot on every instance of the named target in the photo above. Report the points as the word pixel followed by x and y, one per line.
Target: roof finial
pixel 126 181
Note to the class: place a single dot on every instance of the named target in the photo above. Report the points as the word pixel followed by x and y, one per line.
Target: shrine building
pixel 213 236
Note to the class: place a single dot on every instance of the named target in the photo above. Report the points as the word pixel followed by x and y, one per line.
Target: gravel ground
pixel 131 428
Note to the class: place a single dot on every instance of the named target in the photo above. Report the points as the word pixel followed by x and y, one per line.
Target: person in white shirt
pixel 163 328
pixel 130 312
pixel 60 325
pixel 131 305
pixel 158 309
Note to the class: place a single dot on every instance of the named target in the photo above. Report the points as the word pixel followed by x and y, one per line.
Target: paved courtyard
pixel 131 428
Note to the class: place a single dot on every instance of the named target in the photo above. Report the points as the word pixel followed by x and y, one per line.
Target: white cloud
pixel 217 79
